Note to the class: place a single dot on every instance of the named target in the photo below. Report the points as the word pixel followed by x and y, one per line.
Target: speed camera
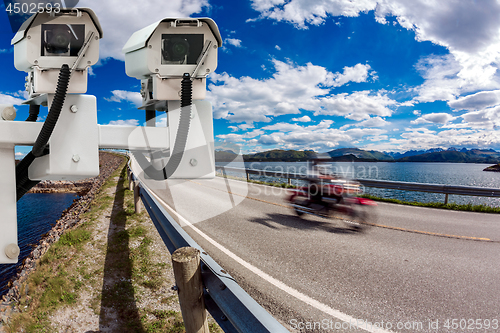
pixel 47 40
pixel 163 52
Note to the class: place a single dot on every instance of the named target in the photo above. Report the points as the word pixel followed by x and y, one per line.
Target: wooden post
pixel 187 272
pixel 137 198
pixel 289 181
pixel 248 177
pixel 446 199
pixel 130 184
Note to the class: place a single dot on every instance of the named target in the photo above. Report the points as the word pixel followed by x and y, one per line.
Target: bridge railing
pixel 385 184
pixel 232 308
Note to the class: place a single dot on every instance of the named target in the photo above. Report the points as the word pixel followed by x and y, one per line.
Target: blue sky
pixel 389 75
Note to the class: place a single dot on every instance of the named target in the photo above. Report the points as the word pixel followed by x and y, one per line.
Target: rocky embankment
pixel 51 186
pixel 86 189
pixel 494 168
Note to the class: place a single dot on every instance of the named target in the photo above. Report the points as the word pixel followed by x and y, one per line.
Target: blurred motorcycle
pixel 332 197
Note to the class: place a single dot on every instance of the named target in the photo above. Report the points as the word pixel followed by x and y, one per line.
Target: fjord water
pixel 36 213
pixel 466 174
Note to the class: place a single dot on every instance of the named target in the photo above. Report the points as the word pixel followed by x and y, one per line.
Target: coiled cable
pixel 23 183
pixel 180 138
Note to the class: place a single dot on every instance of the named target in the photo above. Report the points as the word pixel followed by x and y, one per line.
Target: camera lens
pixel 180 48
pixel 175 49
pixel 58 40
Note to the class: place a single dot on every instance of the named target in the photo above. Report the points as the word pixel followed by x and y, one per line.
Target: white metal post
pixel 198 159
pixel 9 250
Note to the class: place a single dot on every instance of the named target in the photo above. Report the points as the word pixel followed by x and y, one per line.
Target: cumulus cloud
pixel 128 122
pixel 319 137
pixel 469 29
pixel 10 100
pixel 233 41
pixel 358 73
pixel 373 122
pixel 126 96
pixel 419 139
pixel 444 79
pixel 304 119
pixel 303 12
pixel 435 118
pixel 121 18
pixel 477 101
pixel 293 88
pixel 357 106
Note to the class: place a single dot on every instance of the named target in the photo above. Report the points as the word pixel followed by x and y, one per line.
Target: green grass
pixel 58 277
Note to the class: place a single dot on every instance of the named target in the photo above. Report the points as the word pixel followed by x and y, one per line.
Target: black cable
pixel 183 130
pixel 150 115
pixel 180 139
pixel 34 111
pixel 23 183
pixel 55 111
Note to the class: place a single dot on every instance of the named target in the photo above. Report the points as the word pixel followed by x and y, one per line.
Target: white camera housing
pixel 47 40
pixel 161 53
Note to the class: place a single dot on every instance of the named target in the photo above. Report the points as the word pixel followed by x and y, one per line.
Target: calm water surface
pixel 467 174
pixel 36 213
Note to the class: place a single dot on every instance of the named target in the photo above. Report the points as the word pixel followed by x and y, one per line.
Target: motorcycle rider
pixel 320 181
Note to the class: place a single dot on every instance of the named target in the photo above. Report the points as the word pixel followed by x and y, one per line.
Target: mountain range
pixel 451 155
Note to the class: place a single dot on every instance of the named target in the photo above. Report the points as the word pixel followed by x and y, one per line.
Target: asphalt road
pixel 417 270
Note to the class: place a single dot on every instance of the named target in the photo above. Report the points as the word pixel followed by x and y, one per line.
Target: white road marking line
pixel 291 291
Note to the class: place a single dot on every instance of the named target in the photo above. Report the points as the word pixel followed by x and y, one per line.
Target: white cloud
pixel 277 48
pixel 300 12
pixel 477 101
pixel 320 137
pixel 444 79
pixel 436 118
pixel 373 122
pixel 304 119
pixel 245 126
pixel 5 50
pixel 358 73
pixel 10 100
pixel 469 29
pixel 128 122
pixel 357 106
pixel 233 41
pixel 293 88
pixel 414 139
pixel 125 96
pixel 121 18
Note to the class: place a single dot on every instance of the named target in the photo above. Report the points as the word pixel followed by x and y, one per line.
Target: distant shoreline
pixel 356 161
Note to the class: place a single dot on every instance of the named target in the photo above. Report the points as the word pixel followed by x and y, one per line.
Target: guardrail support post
pixel 130 182
pixel 187 272
pixel 137 198
pixel 248 177
pixel 446 199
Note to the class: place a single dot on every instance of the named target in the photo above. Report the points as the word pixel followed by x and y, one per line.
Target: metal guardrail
pixel 232 308
pixel 386 184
